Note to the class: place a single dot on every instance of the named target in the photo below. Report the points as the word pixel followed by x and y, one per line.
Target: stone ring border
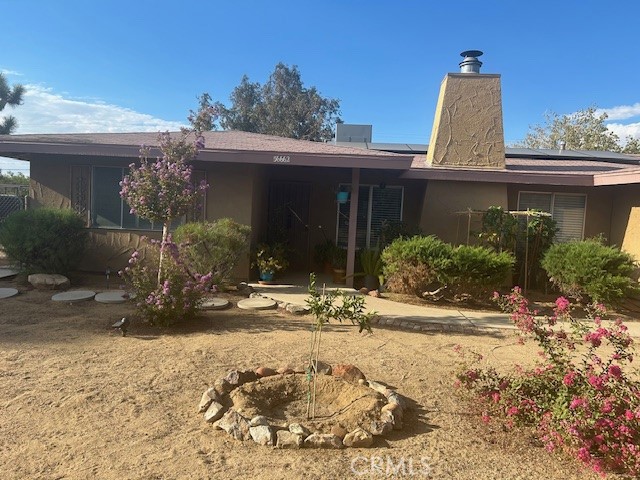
pixel 213 401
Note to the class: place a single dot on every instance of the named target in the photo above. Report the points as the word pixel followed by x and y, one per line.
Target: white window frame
pixel 370 186
pixel 553 201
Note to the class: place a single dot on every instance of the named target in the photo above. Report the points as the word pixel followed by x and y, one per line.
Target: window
pixel 375 205
pixel 568 210
pixel 109 209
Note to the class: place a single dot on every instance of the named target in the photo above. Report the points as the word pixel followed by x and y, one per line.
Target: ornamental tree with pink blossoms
pixel 160 190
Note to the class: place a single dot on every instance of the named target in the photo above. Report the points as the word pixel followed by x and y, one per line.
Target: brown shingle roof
pixel 230 140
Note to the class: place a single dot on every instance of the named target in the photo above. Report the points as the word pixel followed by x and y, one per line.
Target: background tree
pixel 10 178
pixel 283 106
pixel 582 130
pixel 12 97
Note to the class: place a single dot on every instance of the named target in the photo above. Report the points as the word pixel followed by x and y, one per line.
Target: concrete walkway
pixel 410 317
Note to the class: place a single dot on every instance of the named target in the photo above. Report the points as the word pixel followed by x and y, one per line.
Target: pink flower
pixel 628 415
pixel 495 396
pixel 615 371
pixel 569 378
pixel 577 402
pixel 562 304
pixel 513 411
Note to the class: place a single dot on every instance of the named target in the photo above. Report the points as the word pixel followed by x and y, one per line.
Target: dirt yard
pixel 78 401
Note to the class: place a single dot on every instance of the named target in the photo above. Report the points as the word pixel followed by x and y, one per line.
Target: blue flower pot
pixel 266 276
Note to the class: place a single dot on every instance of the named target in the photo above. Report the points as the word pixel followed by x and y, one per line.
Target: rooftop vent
pixel 470 64
pixel 348 132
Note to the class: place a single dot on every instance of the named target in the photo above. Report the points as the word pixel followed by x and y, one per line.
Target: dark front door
pixel 289 220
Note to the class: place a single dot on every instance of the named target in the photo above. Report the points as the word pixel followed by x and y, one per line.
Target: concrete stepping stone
pixel 112 296
pixel 7 272
pixel 214 303
pixel 256 303
pixel 7 292
pixel 74 296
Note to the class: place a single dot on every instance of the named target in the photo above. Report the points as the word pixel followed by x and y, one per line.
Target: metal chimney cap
pixel 470 64
pixel 471 53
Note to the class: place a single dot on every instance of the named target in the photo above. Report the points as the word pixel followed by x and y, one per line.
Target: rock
pixel 339 431
pixel 377 386
pixel 244 289
pixel 261 434
pixel 323 440
pixel 350 373
pixel 298 429
pixel 381 427
pixel 395 397
pixel 396 414
pixel 286 371
pixel 222 387
pixel 286 439
pixel 255 295
pixel 323 368
pixel 359 438
pixel 374 293
pixel 259 420
pixel 214 412
pixel 297 309
pixel 207 397
pixel 235 425
pixel 364 290
pixel 47 281
pixel 240 377
pixel 265 372
pixel 362 382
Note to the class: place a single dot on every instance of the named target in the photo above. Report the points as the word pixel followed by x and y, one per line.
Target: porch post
pixel 353 223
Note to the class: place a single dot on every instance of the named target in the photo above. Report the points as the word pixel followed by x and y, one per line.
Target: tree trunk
pixel 165 234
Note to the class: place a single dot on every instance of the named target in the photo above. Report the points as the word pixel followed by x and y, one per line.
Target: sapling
pixel 323 307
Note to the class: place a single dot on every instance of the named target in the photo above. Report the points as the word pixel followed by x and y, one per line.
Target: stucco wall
pixel 625 219
pixel 443 199
pixel 467 128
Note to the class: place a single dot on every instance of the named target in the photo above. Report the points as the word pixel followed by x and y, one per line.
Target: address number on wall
pixel 281 159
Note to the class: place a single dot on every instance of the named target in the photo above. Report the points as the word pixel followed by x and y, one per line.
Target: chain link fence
pixel 12 198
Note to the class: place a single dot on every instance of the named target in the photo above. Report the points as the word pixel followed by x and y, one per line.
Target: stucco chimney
pixel 467 128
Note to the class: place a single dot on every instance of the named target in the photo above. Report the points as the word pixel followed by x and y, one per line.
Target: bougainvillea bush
pixel 582 397
pixel 181 291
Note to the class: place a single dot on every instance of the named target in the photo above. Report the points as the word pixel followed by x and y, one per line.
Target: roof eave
pixel 24 150
pixel 498 176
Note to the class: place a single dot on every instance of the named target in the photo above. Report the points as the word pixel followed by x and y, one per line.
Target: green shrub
pixel 417 264
pixel 590 269
pixel 413 264
pixel 44 240
pixel 477 270
pixel 213 247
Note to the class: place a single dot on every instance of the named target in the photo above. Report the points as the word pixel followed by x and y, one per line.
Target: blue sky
pixel 138 65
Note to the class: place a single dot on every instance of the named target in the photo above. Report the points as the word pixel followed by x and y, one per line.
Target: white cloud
pixel 624 131
pixel 621 112
pixel 10 72
pixel 46 112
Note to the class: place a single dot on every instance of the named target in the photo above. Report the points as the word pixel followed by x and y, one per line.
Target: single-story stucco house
pixel 289 186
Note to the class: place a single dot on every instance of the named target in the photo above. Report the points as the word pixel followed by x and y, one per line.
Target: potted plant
pixel 270 259
pixel 371 263
pixel 339 263
pixel 323 255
